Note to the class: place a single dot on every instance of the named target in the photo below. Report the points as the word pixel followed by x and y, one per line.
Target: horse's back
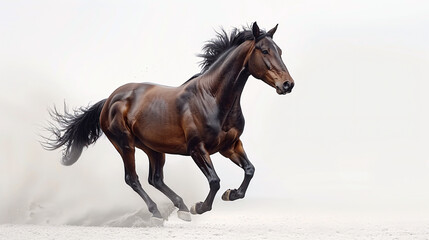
pixel 135 94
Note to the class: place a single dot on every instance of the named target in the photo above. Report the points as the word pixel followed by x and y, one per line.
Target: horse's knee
pixel 214 184
pixel 249 170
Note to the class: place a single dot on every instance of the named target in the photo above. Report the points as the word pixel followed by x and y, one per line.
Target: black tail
pixel 76 130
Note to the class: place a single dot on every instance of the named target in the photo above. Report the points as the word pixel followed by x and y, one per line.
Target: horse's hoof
pixel 156 222
pixel 225 195
pixel 194 208
pixel 185 216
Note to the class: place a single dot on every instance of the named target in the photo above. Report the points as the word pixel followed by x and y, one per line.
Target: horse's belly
pixel 166 139
pixel 156 122
pixel 170 148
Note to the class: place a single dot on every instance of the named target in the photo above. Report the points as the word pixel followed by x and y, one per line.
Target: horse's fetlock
pixel 207 207
pixel 153 208
pixel 179 200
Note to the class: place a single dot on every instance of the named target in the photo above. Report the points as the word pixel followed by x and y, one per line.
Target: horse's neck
pixel 227 81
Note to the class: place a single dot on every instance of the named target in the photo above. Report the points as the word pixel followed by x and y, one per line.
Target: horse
pixel 201 117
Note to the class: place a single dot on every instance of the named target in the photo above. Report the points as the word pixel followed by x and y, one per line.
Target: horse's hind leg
pixel 156 179
pixel 132 179
pixel 122 140
pixel 238 156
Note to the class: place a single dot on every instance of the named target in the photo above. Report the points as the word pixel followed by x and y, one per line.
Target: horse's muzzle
pixel 285 88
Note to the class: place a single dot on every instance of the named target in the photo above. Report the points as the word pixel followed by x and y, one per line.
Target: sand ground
pixel 245 220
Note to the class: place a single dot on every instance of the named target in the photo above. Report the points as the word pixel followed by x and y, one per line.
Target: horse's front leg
pixel 202 159
pixel 238 156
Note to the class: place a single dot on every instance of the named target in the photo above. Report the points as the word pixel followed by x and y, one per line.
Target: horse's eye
pixel 265 51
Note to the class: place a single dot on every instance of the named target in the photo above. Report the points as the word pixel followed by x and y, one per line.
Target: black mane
pixel 223 42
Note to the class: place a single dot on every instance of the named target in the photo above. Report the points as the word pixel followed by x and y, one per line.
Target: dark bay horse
pixel 201 117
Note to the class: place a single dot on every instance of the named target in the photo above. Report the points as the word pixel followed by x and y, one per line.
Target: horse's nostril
pixel 286 86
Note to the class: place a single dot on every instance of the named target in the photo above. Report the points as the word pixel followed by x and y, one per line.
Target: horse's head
pixel 265 62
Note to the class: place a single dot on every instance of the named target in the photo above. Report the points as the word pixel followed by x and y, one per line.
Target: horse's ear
pixel 272 31
pixel 255 30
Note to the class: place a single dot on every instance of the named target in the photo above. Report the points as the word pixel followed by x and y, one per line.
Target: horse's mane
pixel 222 43
pixel 215 47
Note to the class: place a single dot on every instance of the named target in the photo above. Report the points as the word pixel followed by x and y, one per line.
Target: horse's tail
pixel 76 130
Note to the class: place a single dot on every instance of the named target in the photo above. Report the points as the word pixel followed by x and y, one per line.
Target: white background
pixel 352 136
